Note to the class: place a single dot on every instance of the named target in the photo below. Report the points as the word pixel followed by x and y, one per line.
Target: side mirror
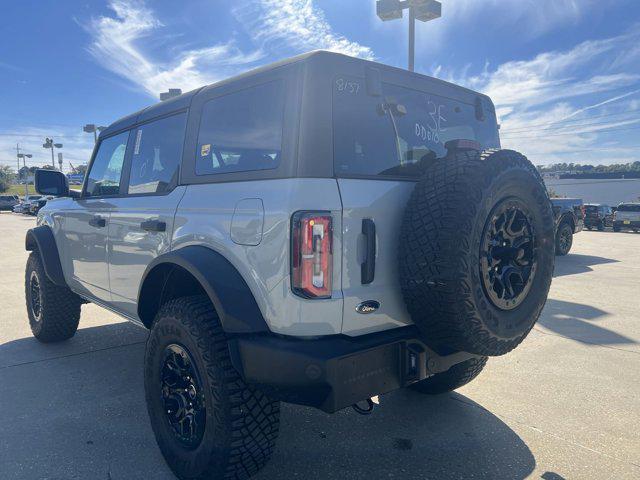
pixel 52 182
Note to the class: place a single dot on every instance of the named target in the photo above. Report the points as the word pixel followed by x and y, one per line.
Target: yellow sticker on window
pixel 205 149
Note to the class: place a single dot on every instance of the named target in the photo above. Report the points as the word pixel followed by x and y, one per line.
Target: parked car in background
pixel 627 217
pixel 598 216
pixel 36 205
pixel 569 214
pixel 7 202
pixel 25 204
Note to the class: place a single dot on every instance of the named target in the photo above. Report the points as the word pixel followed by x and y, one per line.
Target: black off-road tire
pixel 241 424
pixel 456 377
pixel 601 227
pixel 440 242
pixel 616 229
pixel 563 245
pixel 58 308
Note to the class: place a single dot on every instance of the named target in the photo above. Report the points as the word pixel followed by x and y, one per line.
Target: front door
pixel 141 221
pixel 86 225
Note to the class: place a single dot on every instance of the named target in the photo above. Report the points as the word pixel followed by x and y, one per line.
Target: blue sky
pixel 564 74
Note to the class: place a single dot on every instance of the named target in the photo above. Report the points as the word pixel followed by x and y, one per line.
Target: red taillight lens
pixel 311 254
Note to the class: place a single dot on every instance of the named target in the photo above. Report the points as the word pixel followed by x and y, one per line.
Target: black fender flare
pixel 223 284
pixel 567 217
pixel 41 239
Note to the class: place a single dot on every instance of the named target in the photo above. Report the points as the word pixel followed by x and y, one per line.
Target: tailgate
pixel 381 204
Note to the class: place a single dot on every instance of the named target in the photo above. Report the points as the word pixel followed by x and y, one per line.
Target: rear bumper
pixel 333 372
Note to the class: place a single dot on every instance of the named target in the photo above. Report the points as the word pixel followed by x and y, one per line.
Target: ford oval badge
pixel 368 306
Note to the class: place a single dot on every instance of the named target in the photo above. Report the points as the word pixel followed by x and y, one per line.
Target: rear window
pixel 591 208
pixel 242 131
pixel 635 207
pixel 400 132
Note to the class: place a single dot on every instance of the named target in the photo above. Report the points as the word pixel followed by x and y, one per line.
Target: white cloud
pixel 533 18
pixel 297 25
pixel 564 105
pixel 288 25
pixel 118 45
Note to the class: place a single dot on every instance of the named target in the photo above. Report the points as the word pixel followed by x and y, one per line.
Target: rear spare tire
pixel 477 251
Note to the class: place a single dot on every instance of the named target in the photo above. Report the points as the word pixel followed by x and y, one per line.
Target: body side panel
pixel 204 218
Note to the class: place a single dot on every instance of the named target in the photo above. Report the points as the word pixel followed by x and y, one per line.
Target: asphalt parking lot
pixel 565 404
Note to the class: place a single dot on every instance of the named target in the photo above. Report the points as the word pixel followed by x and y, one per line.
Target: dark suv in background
pixel 7 202
pixel 598 216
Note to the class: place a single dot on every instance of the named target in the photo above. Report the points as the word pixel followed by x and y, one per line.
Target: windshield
pixel 398 133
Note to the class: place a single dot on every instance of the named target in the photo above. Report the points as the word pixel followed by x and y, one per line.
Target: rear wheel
pixel 208 423
pixel 476 251
pixel 601 227
pixel 616 229
pixel 564 239
pixel 53 311
pixel 457 376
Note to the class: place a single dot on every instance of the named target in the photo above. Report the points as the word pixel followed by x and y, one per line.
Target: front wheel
pixel 564 239
pixel 207 422
pixel 53 310
pixel 454 378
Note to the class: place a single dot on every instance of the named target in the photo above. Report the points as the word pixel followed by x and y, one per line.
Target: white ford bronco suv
pixel 318 231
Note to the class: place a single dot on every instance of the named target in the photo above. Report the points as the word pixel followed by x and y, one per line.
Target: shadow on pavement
pixel 575 263
pixel 575 321
pixel 78 411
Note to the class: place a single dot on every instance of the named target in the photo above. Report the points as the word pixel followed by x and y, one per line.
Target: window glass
pixel 106 170
pixel 157 152
pixel 242 131
pixel 398 133
pixel 629 207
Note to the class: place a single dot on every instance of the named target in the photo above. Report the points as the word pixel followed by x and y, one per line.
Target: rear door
pixel 381 146
pixel 141 221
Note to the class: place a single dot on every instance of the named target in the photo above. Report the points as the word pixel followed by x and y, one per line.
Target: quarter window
pixel 106 170
pixel 242 131
pixel 157 152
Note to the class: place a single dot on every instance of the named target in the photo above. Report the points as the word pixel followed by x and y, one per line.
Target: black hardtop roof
pixel 183 101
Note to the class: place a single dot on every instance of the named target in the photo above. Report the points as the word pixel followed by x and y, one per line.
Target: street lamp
pixel 91 128
pixel 48 143
pixel 24 157
pixel 423 10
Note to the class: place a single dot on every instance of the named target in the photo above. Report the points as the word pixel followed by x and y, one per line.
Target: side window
pixel 242 131
pixel 106 170
pixel 157 152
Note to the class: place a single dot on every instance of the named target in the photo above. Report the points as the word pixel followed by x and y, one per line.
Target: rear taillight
pixel 583 209
pixel 311 254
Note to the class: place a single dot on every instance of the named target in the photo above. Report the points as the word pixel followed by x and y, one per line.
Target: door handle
pixel 368 267
pixel 153 226
pixel 98 222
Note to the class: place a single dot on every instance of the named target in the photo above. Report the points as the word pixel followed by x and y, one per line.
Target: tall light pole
pixel 91 128
pixel 24 157
pixel 48 143
pixel 423 10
